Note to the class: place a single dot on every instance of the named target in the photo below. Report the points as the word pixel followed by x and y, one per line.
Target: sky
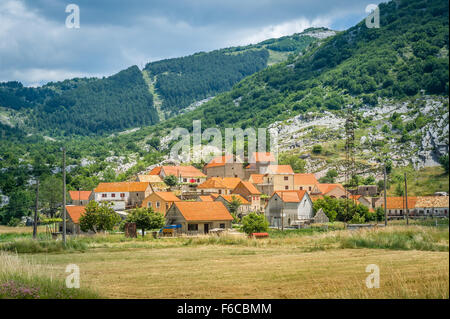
pixel 36 46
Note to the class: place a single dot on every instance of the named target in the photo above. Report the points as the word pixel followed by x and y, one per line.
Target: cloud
pixel 36 47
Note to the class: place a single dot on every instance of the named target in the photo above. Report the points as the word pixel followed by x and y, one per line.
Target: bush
pixel 254 223
pixel 146 218
pixel 98 217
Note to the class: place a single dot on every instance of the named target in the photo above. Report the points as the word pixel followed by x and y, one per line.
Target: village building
pixel 289 208
pixel 307 182
pixel 80 198
pixel 244 207
pixel 218 185
pixel 432 206
pixel 155 181
pixel 358 199
pixel 122 195
pixel 278 177
pixel 320 217
pixel 74 213
pixel 250 193
pixel 225 166
pixel 160 201
pixel 332 190
pixel 367 190
pixel 377 202
pixel 259 162
pixel 185 174
pixel 199 217
pixel 396 206
pixel 206 198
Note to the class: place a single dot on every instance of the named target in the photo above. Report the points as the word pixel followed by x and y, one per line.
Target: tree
pixel 146 218
pixel 171 180
pixel 317 149
pixel 329 176
pixel 443 160
pixel 98 217
pixel 154 142
pixel 254 223
pixel 297 164
pixel 50 194
pixel 234 204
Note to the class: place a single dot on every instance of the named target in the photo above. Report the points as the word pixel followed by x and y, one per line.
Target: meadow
pixel 310 263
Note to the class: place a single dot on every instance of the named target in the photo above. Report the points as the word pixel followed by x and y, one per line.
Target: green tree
pixel 50 194
pixel 234 204
pixel 171 180
pixel 317 149
pixel 254 223
pixel 154 142
pixel 145 219
pixel 99 217
pixel 297 164
pixel 443 160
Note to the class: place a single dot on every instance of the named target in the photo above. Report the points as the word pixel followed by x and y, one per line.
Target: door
pixel 206 228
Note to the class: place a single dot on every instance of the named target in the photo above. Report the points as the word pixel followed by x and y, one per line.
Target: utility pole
pixel 406 201
pixel 385 200
pixel 64 195
pixel 36 210
pixel 282 212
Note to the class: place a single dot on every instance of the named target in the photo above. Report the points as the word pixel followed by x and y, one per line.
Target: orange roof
pixel 75 212
pixel 325 188
pixel 399 202
pixel 229 198
pixel 199 211
pixel 305 179
pixel 214 195
pixel 218 182
pixel 291 196
pixel 355 197
pixel 280 169
pixel 315 197
pixel 121 187
pixel 220 161
pixel 263 157
pixel 155 171
pixel 206 198
pixel 184 171
pixel 80 195
pixel 256 178
pixel 432 201
pixel 167 196
pixel 250 187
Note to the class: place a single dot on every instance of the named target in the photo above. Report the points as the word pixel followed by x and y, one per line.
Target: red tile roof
pixel 325 188
pixel 184 171
pixel 203 211
pixel 121 187
pixel 249 186
pixel 399 202
pixel 167 196
pixel 218 182
pixel 220 161
pixel 256 178
pixel 280 169
pixel 229 198
pixel 291 196
pixel 155 171
pixel 263 157
pixel 206 198
pixel 75 212
pixel 80 195
pixel 305 179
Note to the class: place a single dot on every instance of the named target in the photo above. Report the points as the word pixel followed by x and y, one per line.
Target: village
pixel 207 201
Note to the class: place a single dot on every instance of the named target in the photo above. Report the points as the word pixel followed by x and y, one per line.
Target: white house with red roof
pixel 289 208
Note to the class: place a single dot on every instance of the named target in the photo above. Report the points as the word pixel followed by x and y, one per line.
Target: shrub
pixel 254 223
pixel 98 217
pixel 146 218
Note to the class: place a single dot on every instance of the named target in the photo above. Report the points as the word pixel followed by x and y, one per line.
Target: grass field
pixel 413 262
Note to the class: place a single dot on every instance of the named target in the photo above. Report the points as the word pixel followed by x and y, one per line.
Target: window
pixel 301 188
pixel 198 180
pixel 222 226
pixel 122 195
pixel 192 227
pixel 286 178
pixel 184 180
pixel 158 204
pixel 309 188
pixel 113 195
pixel 103 195
pixel 149 204
pixel 286 187
pixel 167 206
pixel 220 191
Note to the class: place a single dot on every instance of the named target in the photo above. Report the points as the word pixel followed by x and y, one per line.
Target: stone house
pixel 80 198
pixel 367 190
pixel 332 190
pixel 432 206
pixel 74 213
pixel 160 201
pixel 218 185
pixel 290 208
pixel 321 217
pixel 259 162
pixel 225 166
pixel 123 195
pixel 244 207
pixel 250 193
pixel 278 177
pixel 307 182
pixel 199 217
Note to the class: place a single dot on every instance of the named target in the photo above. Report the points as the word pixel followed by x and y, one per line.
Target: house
pixel 367 190
pixel 377 202
pixel 218 185
pixel 123 195
pixel 358 199
pixel 432 206
pixel 185 174
pixel 278 177
pixel 259 161
pixel 243 209
pixel 321 217
pixel 81 198
pixel 332 190
pixel 155 181
pixel 307 182
pixel 199 217
pixel 74 213
pixel 289 207
pixel 396 206
pixel 206 198
pixel 160 201
pixel 225 166
pixel 250 193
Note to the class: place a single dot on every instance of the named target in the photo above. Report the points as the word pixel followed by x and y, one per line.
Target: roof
pixel 315 197
pixel 80 195
pixel 249 186
pixel 167 196
pixel 280 169
pixel 199 211
pixel 121 187
pixel 155 171
pixel 206 198
pixel 432 201
pixel 229 198
pixel 218 182
pixel 305 179
pixel 150 178
pixel 291 196
pixel 399 202
pixel 325 188
pixel 256 178
pixel 184 171
pixel 263 157
pixel 75 212
pixel 220 161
